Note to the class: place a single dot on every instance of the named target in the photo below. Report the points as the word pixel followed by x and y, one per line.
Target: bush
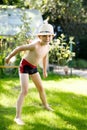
pixel 78 63
pixel 61 51
pixel 82 48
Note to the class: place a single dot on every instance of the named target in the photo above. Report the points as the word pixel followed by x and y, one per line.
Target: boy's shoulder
pixel 36 41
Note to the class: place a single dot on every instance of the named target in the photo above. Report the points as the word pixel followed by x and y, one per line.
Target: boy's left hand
pixel 45 74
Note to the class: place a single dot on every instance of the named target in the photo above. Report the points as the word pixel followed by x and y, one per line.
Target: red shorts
pixel 26 67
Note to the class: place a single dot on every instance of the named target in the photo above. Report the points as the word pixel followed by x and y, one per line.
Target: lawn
pixel 66 95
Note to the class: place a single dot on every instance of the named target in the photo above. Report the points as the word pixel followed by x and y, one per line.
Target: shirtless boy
pixel 38 50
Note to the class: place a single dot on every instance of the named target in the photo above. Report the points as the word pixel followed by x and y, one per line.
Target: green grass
pixel 66 95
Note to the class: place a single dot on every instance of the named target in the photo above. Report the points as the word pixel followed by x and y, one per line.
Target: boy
pixel 28 66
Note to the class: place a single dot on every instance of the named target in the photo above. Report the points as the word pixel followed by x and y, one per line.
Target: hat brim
pixel 46 34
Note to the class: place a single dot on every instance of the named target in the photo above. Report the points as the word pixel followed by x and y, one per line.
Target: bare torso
pixel 34 56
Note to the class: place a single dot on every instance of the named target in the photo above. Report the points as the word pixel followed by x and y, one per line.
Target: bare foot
pixel 48 108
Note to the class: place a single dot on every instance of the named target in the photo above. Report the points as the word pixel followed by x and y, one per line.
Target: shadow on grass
pixel 57 77
pixel 6 84
pixel 71 108
pixel 6 114
pixel 78 123
pixel 51 76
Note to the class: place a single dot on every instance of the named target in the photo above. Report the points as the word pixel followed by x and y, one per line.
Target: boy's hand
pixel 7 60
pixel 45 74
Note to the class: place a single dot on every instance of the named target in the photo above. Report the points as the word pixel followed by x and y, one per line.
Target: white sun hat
pixel 46 29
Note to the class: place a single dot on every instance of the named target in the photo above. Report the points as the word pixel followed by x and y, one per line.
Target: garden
pixel 66 93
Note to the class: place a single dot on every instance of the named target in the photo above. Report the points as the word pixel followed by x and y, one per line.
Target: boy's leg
pixel 24 79
pixel 37 81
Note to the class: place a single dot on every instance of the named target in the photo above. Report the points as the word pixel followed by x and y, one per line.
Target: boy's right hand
pixel 7 60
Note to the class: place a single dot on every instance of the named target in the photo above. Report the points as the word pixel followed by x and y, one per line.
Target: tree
pixel 70 14
pixel 12 2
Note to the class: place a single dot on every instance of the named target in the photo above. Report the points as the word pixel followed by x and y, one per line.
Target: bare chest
pixel 40 52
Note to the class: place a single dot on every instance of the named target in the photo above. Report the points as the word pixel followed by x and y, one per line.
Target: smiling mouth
pixel 47 40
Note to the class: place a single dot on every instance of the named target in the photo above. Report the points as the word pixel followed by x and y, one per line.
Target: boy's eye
pixel 46 35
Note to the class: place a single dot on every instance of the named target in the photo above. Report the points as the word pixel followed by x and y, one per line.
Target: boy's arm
pixel 18 49
pixel 45 62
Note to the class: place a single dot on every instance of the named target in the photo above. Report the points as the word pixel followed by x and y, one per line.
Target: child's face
pixel 46 38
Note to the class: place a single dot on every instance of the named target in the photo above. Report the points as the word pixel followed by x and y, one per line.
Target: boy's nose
pixel 47 36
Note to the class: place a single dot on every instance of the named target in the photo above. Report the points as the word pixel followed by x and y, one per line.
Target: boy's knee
pixel 25 92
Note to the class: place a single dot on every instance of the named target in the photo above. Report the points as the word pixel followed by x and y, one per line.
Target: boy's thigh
pixel 36 78
pixel 24 80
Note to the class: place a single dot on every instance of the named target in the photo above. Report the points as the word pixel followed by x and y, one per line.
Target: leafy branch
pixel 61 50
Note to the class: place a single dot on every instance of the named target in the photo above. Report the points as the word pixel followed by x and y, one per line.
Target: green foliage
pixel 61 51
pixel 6 45
pixel 70 14
pixel 19 3
pixel 82 54
pixel 79 63
pixel 9 43
pixel 23 36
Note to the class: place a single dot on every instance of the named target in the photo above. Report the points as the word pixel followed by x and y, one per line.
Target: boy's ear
pixel 39 36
